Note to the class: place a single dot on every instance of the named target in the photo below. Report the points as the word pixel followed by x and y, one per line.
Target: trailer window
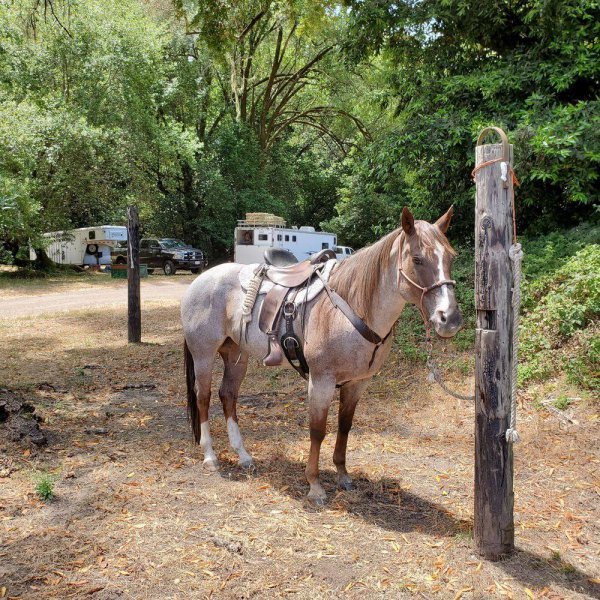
pixel 279 237
pixel 293 238
pixel 92 235
pixel 287 238
pixel 262 237
pixel 324 246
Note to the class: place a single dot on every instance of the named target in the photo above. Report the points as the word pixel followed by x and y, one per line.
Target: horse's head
pixel 426 262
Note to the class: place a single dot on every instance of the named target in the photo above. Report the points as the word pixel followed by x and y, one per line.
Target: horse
pixel 412 264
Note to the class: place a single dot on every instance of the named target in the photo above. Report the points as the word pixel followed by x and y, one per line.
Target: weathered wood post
pixel 134 313
pixel 494 524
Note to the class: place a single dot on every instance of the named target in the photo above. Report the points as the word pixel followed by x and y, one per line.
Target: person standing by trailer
pixel 259 231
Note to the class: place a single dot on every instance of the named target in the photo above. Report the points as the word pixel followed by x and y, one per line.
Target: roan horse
pixel 411 264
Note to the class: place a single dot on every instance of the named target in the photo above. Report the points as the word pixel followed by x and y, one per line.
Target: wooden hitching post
pixel 134 313
pixel 494 498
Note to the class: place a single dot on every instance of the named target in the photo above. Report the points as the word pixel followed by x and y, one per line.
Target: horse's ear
pixel 444 221
pixel 408 221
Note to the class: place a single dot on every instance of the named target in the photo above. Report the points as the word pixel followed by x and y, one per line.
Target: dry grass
pixel 136 517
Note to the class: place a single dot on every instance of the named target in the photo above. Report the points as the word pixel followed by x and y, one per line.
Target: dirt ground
pixel 97 290
pixel 135 516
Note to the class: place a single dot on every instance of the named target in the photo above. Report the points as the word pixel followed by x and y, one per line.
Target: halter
pixel 424 291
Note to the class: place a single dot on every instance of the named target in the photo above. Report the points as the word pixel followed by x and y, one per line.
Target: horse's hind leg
pixel 349 395
pixel 203 371
pixel 234 373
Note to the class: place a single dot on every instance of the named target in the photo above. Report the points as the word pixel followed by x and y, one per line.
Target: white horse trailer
pixel 84 246
pixel 260 231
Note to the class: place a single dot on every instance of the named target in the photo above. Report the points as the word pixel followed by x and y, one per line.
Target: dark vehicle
pixel 167 254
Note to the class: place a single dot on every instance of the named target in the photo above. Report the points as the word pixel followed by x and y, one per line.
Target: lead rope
pixel 436 376
pixel 516 256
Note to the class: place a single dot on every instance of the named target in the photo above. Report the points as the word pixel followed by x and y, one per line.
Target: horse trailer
pixel 259 231
pixel 84 246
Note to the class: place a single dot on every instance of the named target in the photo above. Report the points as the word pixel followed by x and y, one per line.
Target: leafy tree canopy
pixel 322 112
pixel 453 67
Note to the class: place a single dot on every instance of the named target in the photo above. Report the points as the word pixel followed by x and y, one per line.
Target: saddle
pixel 288 276
pixel 288 285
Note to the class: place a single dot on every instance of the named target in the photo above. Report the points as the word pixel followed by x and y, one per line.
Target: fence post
pixel 494 498
pixel 134 314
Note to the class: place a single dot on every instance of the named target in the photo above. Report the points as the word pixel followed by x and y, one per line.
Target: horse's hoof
pixel 246 464
pixel 317 496
pixel 210 464
pixel 317 500
pixel 347 485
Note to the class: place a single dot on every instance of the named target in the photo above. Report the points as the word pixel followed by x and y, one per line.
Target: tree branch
pixel 250 25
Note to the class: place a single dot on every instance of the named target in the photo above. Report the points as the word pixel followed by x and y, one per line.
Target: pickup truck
pixel 167 254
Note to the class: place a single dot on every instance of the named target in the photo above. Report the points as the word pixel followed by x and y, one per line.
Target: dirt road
pixel 111 293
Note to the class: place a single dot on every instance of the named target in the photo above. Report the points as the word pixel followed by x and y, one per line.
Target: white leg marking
pixel 235 439
pixel 210 458
pixel 444 304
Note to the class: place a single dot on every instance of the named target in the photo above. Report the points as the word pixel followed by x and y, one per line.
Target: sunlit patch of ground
pixel 135 516
pixel 14 283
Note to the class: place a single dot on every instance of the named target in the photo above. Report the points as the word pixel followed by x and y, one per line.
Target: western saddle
pixel 288 277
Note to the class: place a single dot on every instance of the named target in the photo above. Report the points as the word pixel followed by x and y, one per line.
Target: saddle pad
pixel 305 295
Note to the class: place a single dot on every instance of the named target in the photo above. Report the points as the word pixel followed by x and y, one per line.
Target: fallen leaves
pixel 142 504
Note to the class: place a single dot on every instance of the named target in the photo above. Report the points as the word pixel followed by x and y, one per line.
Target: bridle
pixel 424 290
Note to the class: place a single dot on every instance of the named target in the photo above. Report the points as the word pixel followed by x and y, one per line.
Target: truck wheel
pixel 196 271
pixel 169 268
pixel 120 261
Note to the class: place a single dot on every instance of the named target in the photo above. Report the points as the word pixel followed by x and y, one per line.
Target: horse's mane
pixel 357 277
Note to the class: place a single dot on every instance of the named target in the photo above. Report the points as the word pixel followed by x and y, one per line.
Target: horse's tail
pixel 192 405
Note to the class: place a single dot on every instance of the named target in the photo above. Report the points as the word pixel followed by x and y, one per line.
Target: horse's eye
pixel 417 260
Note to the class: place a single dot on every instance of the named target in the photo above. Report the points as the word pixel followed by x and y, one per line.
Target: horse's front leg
pixel 320 394
pixel 349 395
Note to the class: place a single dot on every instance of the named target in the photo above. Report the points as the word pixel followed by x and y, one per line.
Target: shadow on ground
pixel 385 504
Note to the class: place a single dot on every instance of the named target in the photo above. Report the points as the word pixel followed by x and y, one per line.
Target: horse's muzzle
pixel 447 323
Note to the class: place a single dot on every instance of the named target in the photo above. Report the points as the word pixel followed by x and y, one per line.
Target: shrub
pixel 44 486
pixel 553 335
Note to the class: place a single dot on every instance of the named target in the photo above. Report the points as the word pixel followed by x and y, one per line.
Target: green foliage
pixel 582 365
pixel 107 103
pixel 559 328
pixel 44 486
pixel 546 254
pixel 562 402
pixel 455 66
pixel 199 113
pixel 560 309
pixel 77 115
pixel 410 335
